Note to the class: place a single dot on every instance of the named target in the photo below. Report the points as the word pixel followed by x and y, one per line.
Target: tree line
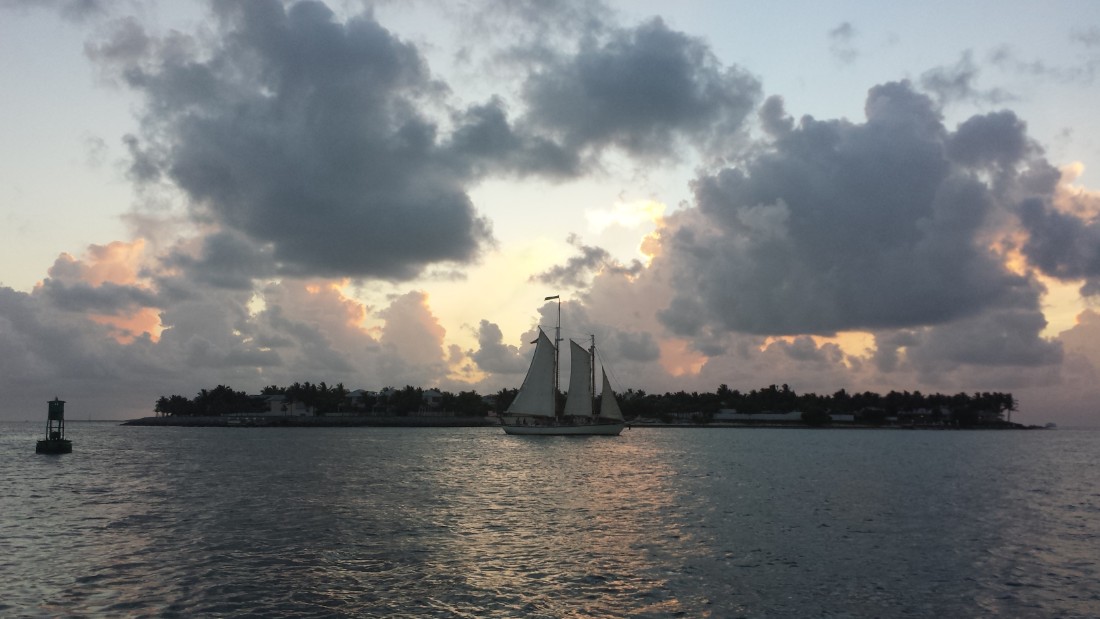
pixel 961 409
pixel 868 407
pixel 322 398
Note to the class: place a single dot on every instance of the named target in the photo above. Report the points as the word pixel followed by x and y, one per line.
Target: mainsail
pixel 579 401
pixel 536 395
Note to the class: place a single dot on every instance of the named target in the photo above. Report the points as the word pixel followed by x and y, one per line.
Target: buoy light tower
pixel 55 441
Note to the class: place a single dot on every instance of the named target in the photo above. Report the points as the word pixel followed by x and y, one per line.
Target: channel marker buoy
pixel 55 441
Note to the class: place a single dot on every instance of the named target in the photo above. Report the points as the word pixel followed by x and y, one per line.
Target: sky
pixel 828 195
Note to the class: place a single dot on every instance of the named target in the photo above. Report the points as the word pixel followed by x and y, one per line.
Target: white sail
pixel 609 408
pixel 579 401
pixel 536 396
pixel 532 413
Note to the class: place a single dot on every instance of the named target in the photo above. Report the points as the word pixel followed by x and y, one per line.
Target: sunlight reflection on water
pixel 472 523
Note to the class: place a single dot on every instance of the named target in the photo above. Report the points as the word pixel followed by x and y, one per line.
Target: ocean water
pixel 381 522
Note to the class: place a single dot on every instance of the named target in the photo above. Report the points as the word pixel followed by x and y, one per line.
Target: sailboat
pixel 534 410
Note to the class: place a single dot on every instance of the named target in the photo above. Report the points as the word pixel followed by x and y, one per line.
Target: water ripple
pixel 367 522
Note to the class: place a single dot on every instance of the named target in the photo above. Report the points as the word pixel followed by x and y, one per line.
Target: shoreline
pixel 314 422
pixel 484 422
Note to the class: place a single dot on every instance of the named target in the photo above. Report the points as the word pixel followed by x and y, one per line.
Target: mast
pixel 592 375
pixel 557 349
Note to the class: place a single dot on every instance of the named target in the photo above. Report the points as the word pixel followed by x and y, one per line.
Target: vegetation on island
pixel 960 409
pixel 321 398
pixel 868 408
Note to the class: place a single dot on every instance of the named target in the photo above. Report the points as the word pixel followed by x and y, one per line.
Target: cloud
pixel 804 348
pixel 1007 58
pixel 107 298
pixel 209 332
pixel 956 83
pixel 774 118
pixel 841 43
pixel 646 90
pixel 998 338
pixel 1071 396
pixel 886 356
pixel 123 43
pixel 625 214
pixel 303 134
pixel 1090 38
pixel 225 260
pixel 1082 348
pixel 328 147
pixel 844 226
pixel 574 273
pixel 117 262
pixel 633 346
pixel 627 348
pixel 493 355
pixel 485 142
pixel 290 330
pixel 48 352
pixel 107 286
pixel 1062 245
pixel 412 333
pixel 73 10
pixel 528 22
pixel 1061 228
pixel 999 139
pixel 41 343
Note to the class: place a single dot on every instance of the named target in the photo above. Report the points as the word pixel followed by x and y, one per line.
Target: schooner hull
pixel 593 429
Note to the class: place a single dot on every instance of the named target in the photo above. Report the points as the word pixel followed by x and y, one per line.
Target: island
pixel 305 404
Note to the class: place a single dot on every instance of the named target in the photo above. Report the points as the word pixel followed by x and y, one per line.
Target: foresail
pixel 579 401
pixel 609 408
pixel 536 395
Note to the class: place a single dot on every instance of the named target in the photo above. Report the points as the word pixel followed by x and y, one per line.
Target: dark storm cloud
pixel 1060 244
pixel 645 90
pixel 999 138
pixel 577 270
pixel 847 226
pixel 485 142
pixel 1003 337
pixel 304 133
pixel 227 261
